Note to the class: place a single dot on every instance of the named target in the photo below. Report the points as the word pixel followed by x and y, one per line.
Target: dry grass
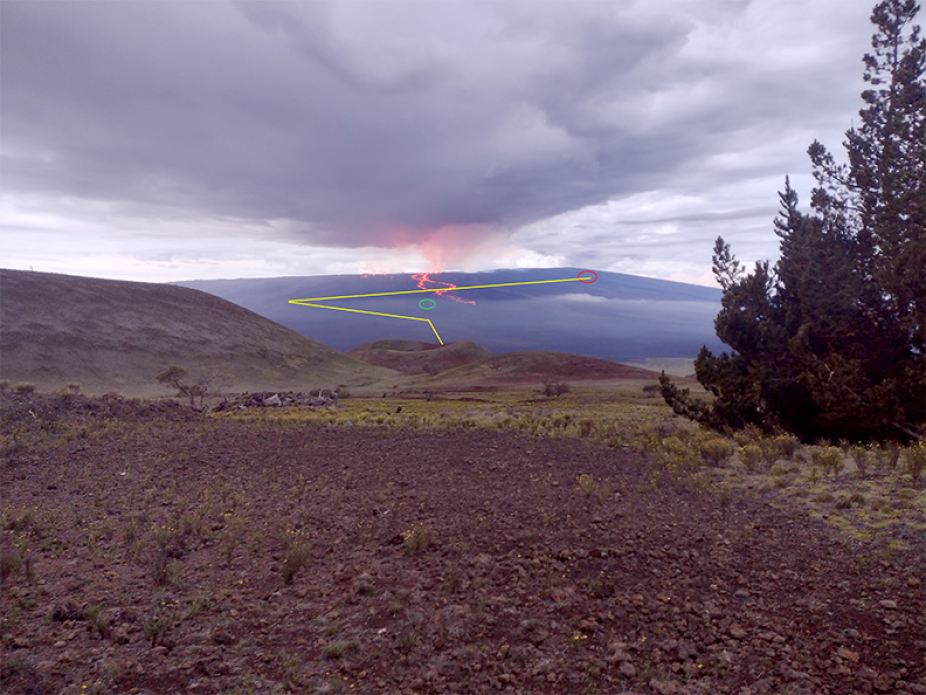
pixel 611 419
pixel 872 483
pixel 207 525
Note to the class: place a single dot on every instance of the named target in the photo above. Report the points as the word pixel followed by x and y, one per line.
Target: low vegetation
pixel 196 390
pixel 370 545
pixel 870 486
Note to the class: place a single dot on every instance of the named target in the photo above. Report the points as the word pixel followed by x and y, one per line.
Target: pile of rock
pixel 325 398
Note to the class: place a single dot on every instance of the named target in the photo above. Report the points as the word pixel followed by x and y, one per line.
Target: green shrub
pixel 158 627
pixel 886 456
pixel 586 484
pixel 166 570
pixel 296 556
pixel 337 649
pixel 673 455
pixel 915 461
pixel 829 459
pixel 860 455
pixel 417 538
pixel 750 455
pixel 748 435
pixel 785 445
pixel 406 641
pixel 24 388
pixel 586 426
pixel 94 616
pixel 715 449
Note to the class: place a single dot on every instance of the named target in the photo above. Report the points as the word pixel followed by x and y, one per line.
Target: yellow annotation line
pixel 436 289
pixel 303 302
pixel 311 300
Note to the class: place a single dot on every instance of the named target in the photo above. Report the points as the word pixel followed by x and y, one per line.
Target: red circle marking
pixel 586 282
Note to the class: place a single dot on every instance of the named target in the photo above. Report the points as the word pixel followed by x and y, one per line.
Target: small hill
pixel 114 335
pixel 413 357
pixel 532 367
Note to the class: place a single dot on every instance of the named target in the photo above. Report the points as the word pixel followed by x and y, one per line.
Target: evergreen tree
pixel 830 343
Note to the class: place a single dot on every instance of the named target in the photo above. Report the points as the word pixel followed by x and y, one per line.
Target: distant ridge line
pixel 311 300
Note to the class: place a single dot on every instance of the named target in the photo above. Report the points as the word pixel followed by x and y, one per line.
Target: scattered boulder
pixel 737 632
pixel 323 398
pixel 664 687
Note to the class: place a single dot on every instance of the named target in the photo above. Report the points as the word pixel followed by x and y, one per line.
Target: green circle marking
pixel 427 308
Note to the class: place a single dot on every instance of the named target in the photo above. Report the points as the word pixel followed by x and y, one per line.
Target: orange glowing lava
pixel 423 278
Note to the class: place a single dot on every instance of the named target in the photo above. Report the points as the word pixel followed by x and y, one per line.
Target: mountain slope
pixel 619 317
pixel 517 369
pixel 412 357
pixel 114 335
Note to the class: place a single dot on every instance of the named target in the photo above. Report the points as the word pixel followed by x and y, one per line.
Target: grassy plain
pixel 864 492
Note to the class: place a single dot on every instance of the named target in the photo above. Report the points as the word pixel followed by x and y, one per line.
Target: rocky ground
pixel 150 550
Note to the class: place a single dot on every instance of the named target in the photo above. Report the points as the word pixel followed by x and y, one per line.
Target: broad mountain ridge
pixel 622 318
pixel 111 335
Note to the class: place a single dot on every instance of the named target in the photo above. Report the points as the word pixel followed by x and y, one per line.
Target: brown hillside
pixel 533 367
pixel 114 335
pixel 412 357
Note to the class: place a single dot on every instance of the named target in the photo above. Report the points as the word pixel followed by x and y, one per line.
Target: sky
pixel 173 140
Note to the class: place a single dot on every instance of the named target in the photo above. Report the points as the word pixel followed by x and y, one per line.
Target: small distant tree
pixel 68 393
pixel 174 376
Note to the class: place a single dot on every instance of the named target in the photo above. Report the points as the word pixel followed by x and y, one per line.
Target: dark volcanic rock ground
pixel 153 555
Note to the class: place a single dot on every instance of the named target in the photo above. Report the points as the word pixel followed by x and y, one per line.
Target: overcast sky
pixel 182 140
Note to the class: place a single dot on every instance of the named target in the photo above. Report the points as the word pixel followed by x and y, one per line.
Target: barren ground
pixel 148 552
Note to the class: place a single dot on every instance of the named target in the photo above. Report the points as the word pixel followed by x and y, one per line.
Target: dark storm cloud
pixel 376 123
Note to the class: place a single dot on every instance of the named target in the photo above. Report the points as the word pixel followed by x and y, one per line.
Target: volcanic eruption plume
pixel 456 242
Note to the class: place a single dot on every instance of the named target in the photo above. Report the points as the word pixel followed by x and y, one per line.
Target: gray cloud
pixel 375 124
